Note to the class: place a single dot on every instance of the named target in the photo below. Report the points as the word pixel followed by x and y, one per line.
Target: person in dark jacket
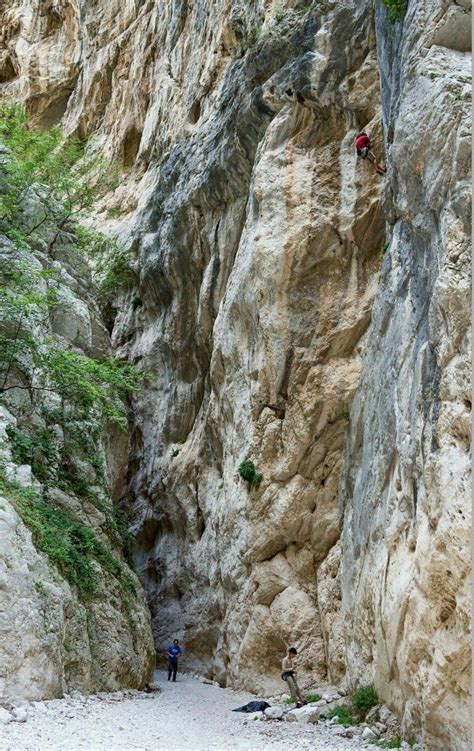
pixel 173 652
pixel 364 151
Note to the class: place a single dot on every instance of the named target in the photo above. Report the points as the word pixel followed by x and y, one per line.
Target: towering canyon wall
pixel 259 261
pixel 259 244
pixel 405 487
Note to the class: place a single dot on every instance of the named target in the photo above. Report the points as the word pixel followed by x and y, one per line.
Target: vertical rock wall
pixel 406 480
pixel 259 241
pixel 259 263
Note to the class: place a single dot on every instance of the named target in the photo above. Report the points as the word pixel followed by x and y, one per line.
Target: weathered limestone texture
pixel 405 488
pixel 53 637
pixel 259 262
pixel 258 240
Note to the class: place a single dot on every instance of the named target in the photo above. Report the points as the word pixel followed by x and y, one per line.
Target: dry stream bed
pixel 188 714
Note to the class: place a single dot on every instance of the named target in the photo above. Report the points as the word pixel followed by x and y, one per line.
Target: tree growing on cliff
pixel 34 362
pixel 65 185
pixel 65 180
pixel 26 296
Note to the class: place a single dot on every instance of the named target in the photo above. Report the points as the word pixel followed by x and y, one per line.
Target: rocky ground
pixel 188 714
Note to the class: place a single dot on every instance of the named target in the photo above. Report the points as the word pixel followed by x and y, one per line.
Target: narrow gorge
pixel 282 304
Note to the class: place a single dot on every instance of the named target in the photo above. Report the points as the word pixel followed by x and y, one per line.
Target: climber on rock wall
pixel 364 151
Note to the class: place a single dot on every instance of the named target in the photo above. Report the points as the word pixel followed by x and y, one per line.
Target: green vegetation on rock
pixel 396 9
pixel 89 383
pixel 365 698
pixel 278 14
pixel 74 181
pixel 308 698
pixel 70 544
pixel 47 183
pixel 112 262
pixel 40 588
pixel 65 184
pixel 302 8
pixel 343 715
pixel 248 472
pixel 253 35
pixel 82 381
pixel 312 697
pixel 38 450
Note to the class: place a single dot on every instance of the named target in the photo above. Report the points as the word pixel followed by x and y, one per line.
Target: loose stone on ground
pixel 183 715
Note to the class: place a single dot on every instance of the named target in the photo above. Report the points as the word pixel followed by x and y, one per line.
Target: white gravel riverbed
pixel 188 714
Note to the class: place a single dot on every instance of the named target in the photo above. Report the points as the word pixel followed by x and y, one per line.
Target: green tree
pixel 26 296
pixel 74 180
pixel 66 183
pixel 88 383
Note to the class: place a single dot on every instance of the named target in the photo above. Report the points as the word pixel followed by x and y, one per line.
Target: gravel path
pixel 185 715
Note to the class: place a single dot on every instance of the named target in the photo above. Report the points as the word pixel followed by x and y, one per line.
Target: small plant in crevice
pixel 38 450
pixel 278 14
pixel 384 247
pixel 302 8
pixel 396 9
pixel 248 472
pixel 253 35
pixel 343 715
pixel 365 698
pixel 312 697
pixel 113 212
pixel 40 587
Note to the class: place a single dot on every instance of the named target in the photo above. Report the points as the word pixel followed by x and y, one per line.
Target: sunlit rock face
pixel 259 258
pixel 260 242
pixel 405 487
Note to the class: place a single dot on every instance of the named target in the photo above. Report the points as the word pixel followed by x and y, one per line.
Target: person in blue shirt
pixel 173 654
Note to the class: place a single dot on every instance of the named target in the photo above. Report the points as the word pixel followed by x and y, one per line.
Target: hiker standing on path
pixel 289 675
pixel 173 654
pixel 364 151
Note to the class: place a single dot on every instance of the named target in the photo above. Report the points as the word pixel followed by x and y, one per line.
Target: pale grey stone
pixel 5 716
pixel 274 713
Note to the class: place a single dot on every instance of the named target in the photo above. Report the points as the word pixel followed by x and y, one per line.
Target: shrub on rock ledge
pixel 248 472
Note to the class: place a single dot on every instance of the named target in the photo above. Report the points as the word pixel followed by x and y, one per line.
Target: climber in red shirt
pixel 364 151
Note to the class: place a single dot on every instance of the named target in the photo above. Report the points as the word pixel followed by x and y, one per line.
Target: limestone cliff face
pixel 70 619
pixel 405 486
pixel 258 240
pixel 259 262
